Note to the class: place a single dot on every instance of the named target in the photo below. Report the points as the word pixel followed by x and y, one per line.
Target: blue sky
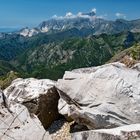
pixel 22 13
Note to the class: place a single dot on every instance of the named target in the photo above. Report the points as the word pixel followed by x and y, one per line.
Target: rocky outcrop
pixel 121 133
pixel 17 124
pixel 102 102
pixel 107 96
pixel 39 96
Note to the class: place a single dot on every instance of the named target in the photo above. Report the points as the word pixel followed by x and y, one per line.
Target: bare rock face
pixel 17 124
pixel 107 96
pixel 39 96
pixel 128 132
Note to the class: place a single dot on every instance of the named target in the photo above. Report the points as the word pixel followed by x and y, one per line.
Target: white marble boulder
pixel 107 96
pixel 39 96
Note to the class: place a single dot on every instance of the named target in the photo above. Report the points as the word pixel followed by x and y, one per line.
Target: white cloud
pixel 69 14
pixel 80 15
pixel 54 16
pixel 94 10
pixel 120 15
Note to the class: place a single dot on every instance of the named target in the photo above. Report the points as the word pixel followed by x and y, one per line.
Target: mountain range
pixel 86 21
pixel 82 21
pixel 65 43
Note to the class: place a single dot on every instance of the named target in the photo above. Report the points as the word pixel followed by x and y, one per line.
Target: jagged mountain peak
pixel 91 13
pixel 28 32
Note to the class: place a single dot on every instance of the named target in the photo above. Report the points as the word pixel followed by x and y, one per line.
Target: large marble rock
pixel 24 90
pixel 128 132
pixel 39 96
pixel 17 124
pixel 101 97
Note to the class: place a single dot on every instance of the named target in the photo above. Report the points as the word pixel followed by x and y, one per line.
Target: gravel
pixel 60 130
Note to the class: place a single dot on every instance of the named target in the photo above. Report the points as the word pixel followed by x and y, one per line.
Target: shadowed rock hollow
pixel 48 107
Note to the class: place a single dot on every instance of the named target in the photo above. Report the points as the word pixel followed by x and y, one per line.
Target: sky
pixel 23 13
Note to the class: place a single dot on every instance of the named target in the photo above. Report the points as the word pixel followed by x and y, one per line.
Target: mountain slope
pixel 132 53
pixel 6 80
pixel 5 67
pixel 52 59
pixel 11 46
pixel 49 55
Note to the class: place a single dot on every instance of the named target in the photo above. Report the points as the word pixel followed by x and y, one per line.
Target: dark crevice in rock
pixel 48 107
pixel 4 99
pixel 95 105
pixel 69 78
pixel 121 117
pixel 75 127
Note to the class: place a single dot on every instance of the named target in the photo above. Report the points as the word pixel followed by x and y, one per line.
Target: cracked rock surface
pixel 127 132
pixel 17 124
